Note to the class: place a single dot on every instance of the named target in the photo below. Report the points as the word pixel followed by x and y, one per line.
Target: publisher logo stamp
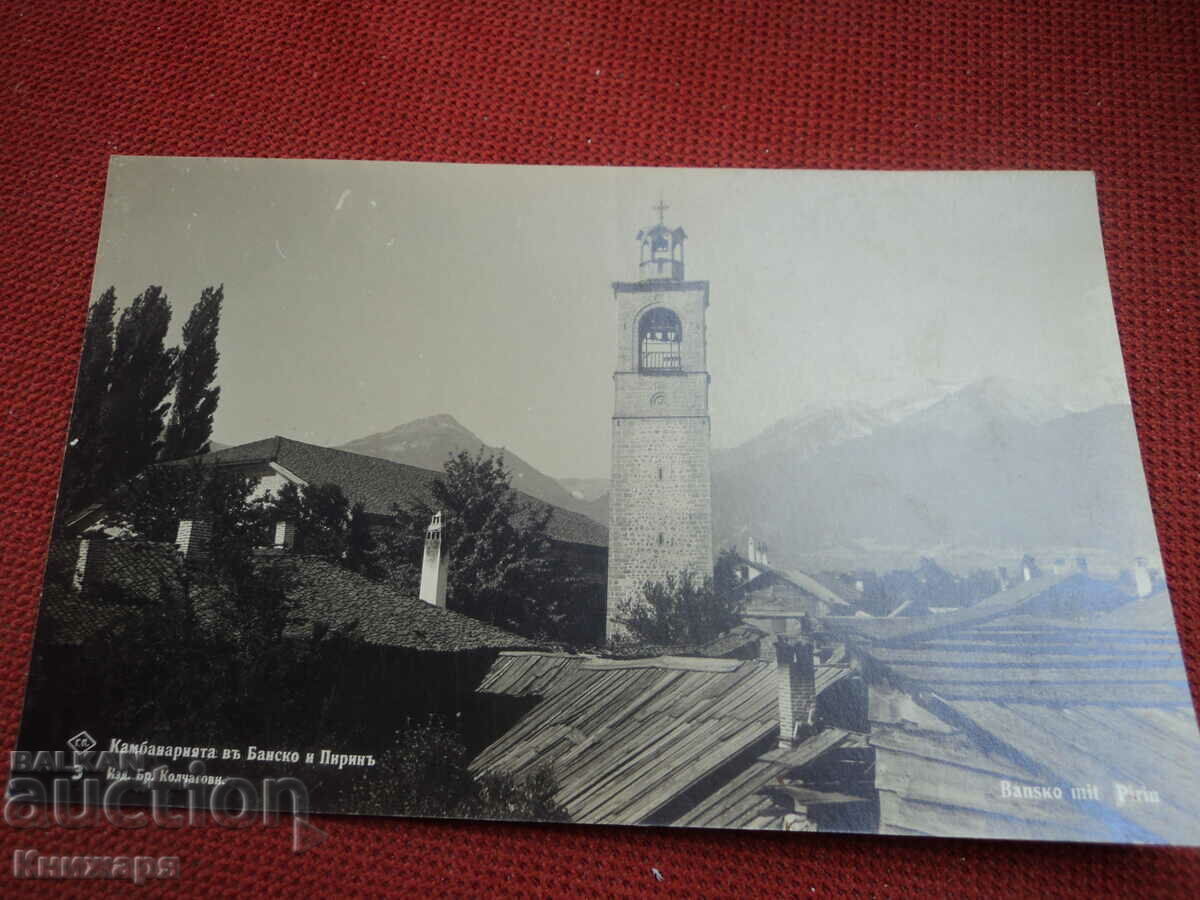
pixel 82 742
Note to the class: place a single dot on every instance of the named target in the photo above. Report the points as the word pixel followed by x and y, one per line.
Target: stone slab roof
pixel 324 594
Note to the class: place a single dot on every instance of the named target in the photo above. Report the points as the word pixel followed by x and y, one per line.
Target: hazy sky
pixel 362 295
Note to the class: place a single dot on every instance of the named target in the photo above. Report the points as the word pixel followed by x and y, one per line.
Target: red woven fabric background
pixel 1056 84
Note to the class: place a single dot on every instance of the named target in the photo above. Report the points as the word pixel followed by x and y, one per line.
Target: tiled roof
pixel 377 614
pixel 136 568
pixel 624 738
pixel 324 594
pixel 380 483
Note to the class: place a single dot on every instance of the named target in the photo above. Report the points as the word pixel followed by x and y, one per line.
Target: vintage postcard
pixel 802 501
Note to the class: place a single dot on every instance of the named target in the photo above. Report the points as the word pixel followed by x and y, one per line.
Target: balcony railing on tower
pixel 661 361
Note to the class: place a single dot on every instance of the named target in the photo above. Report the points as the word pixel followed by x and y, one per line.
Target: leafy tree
pixel 152 505
pixel 329 527
pixel 142 375
pixel 216 635
pixel 684 610
pixel 321 514
pixel 362 552
pixel 190 425
pixel 87 450
pixel 501 567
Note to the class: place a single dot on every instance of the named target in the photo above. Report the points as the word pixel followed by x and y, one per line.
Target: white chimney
pixel 87 563
pixel 796 686
pixel 285 534
pixel 751 552
pixel 192 539
pixel 434 565
pixel 1141 578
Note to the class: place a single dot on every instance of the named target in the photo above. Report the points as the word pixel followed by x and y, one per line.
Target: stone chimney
pixel 796 686
pixel 285 534
pixel 1141 578
pixel 192 539
pixel 88 563
pixel 435 565
pixel 756 552
pixel 1002 577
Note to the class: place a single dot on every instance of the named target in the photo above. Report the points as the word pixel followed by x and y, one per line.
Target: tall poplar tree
pixel 88 453
pixel 143 375
pixel 196 397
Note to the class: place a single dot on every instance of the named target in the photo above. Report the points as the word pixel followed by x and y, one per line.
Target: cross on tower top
pixel 662 208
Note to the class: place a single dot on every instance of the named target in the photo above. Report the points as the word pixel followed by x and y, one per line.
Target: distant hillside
pixel 801 437
pixel 993 466
pixel 428 442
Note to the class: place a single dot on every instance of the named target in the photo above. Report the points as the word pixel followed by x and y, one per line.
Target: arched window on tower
pixel 659 339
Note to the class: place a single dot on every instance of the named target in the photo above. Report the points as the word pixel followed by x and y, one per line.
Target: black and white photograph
pixel 738 499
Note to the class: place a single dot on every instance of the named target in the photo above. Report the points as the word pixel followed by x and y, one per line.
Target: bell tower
pixel 660 510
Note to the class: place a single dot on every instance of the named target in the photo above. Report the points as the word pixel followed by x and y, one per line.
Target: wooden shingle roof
pixel 803 581
pixel 909 628
pixel 1104 701
pixel 624 738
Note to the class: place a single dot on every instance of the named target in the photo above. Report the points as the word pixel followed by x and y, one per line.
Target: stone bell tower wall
pixel 660 507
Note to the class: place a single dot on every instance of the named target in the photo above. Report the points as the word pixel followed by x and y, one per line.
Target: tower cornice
pixel 659 286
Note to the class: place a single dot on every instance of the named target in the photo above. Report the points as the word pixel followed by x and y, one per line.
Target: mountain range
pixel 428 442
pixel 990 464
pixel 993 465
